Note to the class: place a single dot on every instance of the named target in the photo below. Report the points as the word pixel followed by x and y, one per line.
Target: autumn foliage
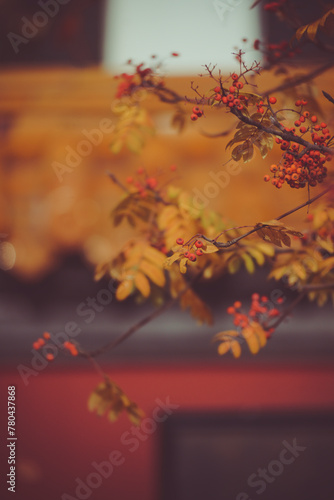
pixel 176 243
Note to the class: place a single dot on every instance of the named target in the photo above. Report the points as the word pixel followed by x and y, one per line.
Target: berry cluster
pixel 298 168
pixel 196 113
pixel 230 97
pixel 276 52
pixel 42 342
pixel 259 311
pixel 145 183
pixel 193 251
pixel 140 77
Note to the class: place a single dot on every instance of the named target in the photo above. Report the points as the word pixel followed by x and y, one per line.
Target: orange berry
pixel 237 304
pixel 49 356
pixel 266 178
pixel 46 335
pixel 230 310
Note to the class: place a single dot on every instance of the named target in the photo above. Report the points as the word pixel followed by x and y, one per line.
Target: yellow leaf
pixel 223 348
pixel 251 339
pixel 116 146
pixel 266 248
pixel 158 258
pixel 235 348
pixel 261 334
pixel 225 335
pixel 142 284
pixel 153 272
pixel 257 255
pixel 170 260
pixel 124 289
pixel 233 264
pixel 166 216
pixel 183 265
pixel 249 263
pixel 210 248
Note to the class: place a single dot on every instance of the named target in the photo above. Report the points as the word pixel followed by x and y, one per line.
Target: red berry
pixel 297 123
pixel 186 254
pixel 237 304
pixel 172 168
pixel 272 100
pixel 46 335
pixel 50 356
pixel 266 178
pixel 304 102
pixel 239 85
pixel 298 102
pixel 199 252
pixel 151 182
pixel 234 76
pixel 230 310
pixel 309 217
pixel 303 130
pixel 217 97
pixel 198 244
pixel 192 257
pixel 129 180
pixel 260 110
pixel 232 89
pixel 180 241
pixel 323 125
pixel 196 110
pixel 217 89
pixel 193 117
pixel 314 119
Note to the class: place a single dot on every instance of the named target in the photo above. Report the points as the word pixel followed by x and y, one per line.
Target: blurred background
pixel 58 61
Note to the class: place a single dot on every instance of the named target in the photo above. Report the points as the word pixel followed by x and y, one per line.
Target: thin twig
pixel 144 321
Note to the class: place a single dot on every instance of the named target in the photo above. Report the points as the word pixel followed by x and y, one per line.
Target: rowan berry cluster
pixel 231 97
pixel 259 311
pixel 42 342
pixel 275 52
pixel 139 78
pixel 298 168
pixel 145 183
pixel 196 113
pixel 193 250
